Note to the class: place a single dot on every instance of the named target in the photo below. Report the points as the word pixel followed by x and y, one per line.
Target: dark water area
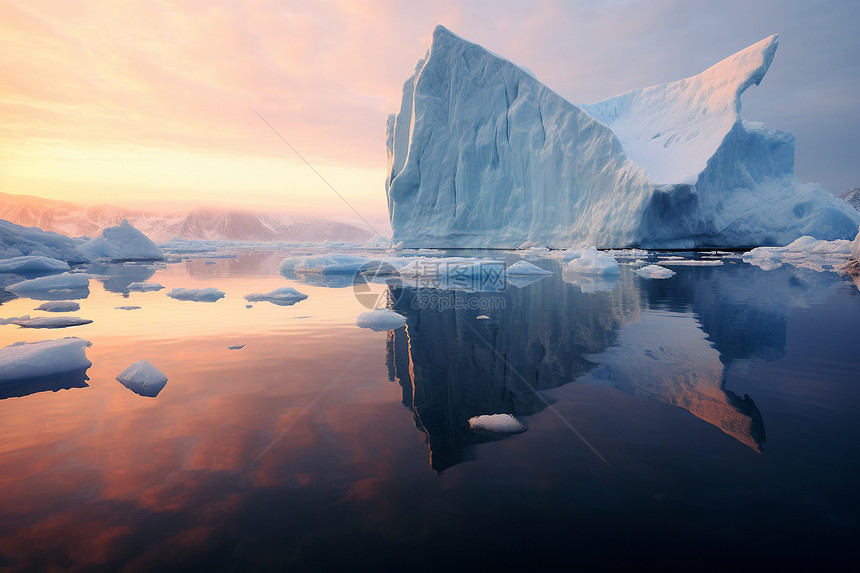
pixel 705 421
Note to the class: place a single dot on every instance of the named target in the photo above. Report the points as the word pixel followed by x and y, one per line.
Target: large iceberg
pixel 481 154
pixel 32 359
pixel 122 243
pixel 17 241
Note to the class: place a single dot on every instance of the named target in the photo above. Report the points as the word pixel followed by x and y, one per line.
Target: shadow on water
pixel 51 383
pixel 672 340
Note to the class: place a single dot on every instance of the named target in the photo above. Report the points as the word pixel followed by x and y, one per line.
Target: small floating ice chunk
pixel 249 306
pixel 497 424
pixel 284 296
pixel 59 306
pixel 324 264
pixel 691 262
pixel 380 320
pixel 32 264
pixel 128 307
pixel 49 321
pixel 526 268
pixel 65 281
pixel 654 272
pixel 143 378
pixel 144 287
pixel 196 294
pixel 482 317
pixel 593 262
pixel 236 347
pixel 29 360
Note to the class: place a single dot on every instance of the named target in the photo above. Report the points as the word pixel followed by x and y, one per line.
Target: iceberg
pixel 852 197
pixel 32 359
pixel 285 296
pixel 144 286
pixel 196 294
pixel 17 241
pixel 481 154
pixel 380 320
pixel 33 264
pixel 122 243
pixel 143 378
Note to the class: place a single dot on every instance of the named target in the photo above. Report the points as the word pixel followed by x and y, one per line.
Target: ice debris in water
pixel 807 252
pixel 49 321
pixel 128 307
pixel 143 378
pixel 65 281
pixel 284 296
pixel 324 264
pixel 144 286
pixel 593 262
pixel 526 268
pixel 236 347
pixel 654 272
pixel 31 359
pixel 196 294
pixel 482 317
pixel 380 320
pixel 497 424
pixel 32 264
pixel 59 306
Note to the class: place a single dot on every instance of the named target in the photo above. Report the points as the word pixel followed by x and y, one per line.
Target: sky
pixel 147 103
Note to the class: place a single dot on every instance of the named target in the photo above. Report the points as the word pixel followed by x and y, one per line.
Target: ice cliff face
pixel 481 154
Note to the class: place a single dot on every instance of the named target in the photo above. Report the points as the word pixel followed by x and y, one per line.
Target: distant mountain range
pixel 76 220
pixel 852 197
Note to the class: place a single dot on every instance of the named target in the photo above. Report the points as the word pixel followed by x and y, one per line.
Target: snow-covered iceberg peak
pixel 481 154
pixel 672 130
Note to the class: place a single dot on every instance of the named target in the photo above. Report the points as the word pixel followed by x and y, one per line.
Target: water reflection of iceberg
pixel 673 341
pixel 50 383
pixel 453 367
pixel 116 277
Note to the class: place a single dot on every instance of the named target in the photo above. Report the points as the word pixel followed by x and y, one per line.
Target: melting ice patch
pixel 59 306
pixel 654 272
pixel 49 321
pixel 144 287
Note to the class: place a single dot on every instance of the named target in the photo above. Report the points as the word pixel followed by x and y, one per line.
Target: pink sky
pixel 142 102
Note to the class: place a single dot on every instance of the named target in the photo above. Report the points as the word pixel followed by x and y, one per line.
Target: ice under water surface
pixel 704 420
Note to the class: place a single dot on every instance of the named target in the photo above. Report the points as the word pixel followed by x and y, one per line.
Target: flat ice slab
pixel 380 320
pixel 654 272
pixel 59 306
pixel 33 264
pixel 65 281
pixel 807 252
pixel 49 321
pixel 285 296
pixel 497 424
pixel 143 378
pixel 196 294
pixel 144 287
pixel 324 264
pixel 32 359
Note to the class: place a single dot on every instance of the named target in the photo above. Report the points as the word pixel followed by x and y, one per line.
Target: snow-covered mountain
pixel 75 220
pixel 852 197
pixel 481 154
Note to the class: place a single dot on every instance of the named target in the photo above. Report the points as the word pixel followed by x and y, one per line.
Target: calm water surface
pixel 700 422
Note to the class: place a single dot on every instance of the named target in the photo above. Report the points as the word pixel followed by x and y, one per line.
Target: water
pixel 699 422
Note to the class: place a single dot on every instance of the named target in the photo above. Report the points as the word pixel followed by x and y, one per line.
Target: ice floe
pixel 33 264
pixel 526 268
pixel 144 287
pixel 31 359
pixel 497 424
pixel 654 272
pixel 284 296
pixel 49 321
pixel 593 262
pixel 143 378
pixel 63 282
pixel 196 294
pixel 59 306
pixel 380 320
